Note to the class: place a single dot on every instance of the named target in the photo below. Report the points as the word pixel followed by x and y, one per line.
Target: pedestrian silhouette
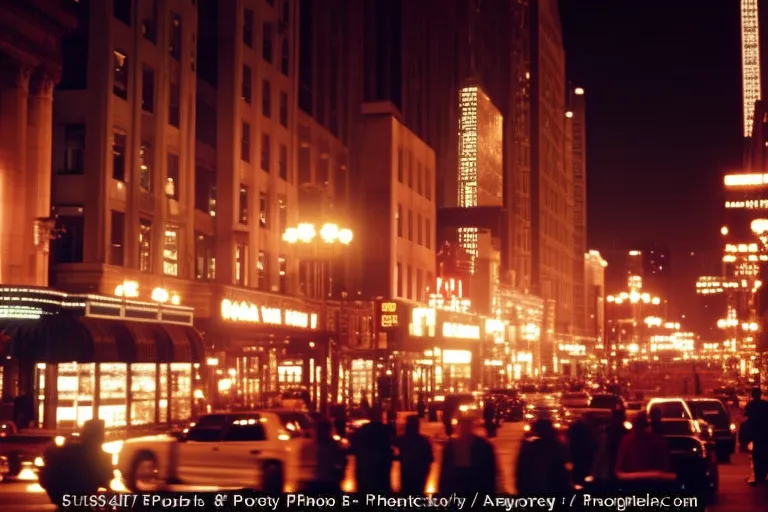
pixel 323 461
pixel 469 463
pixel 372 449
pixel 582 446
pixel 541 462
pixel 416 457
pixel 608 449
pixel 489 415
pixel 756 412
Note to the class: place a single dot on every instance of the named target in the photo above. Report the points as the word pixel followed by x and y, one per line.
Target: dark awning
pixel 67 338
pixel 186 343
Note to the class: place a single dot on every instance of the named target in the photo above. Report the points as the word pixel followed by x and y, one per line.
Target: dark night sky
pixel 663 85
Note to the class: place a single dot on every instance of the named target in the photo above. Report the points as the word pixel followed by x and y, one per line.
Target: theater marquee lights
pixel 242 311
pixel 745 180
pixel 752 204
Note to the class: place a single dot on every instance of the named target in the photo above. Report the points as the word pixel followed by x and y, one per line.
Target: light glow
pixel 750 61
pixel 745 180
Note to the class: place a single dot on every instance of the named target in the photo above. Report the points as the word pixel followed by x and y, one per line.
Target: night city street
pixel 734 496
pixel 261 244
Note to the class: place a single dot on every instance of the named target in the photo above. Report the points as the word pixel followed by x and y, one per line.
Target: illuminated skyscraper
pixel 750 61
pixel 480 159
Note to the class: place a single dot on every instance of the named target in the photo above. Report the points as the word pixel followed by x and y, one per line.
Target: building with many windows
pixel 399 254
pixel 180 180
pixel 123 188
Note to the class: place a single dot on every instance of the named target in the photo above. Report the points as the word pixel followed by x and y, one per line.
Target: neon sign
pixel 247 312
pixel 389 316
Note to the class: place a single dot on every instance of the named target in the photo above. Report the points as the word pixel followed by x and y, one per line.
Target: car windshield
pixel 709 410
pixel 604 402
pixel 672 410
pixel 295 423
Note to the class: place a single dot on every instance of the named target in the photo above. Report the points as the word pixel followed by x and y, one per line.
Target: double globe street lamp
pixel 321 242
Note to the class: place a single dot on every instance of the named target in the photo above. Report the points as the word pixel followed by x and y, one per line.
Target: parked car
pixel 250 449
pixel 575 399
pixel 607 401
pixel 509 404
pixel 717 415
pixel 670 408
pixel 693 456
pixel 545 410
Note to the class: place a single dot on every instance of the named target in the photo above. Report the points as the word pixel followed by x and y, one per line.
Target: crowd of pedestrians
pixel 601 458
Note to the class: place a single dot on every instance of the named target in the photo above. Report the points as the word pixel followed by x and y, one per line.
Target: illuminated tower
pixel 750 61
pixel 480 176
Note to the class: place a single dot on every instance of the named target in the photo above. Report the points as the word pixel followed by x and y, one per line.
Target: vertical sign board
pixel 387 323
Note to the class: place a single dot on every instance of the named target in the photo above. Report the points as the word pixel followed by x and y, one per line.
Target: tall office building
pixel 182 164
pixel 406 62
pixel 30 65
pixel 551 183
pixel 751 84
pixel 576 154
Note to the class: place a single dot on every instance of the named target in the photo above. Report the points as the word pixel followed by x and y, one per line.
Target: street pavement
pixel 734 496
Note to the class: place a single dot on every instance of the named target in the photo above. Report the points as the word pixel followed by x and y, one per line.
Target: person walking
pixel 490 417
pixel 372 448
pixel 416 458
pixel 323 461
pixel 541 462
pixel 756 412
pixel 448 413
pixel 581 448
pixel 469 463
pixel 644 459
pixel 608 449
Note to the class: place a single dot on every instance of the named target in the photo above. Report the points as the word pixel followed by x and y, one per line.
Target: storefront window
pixel 113 383
pixel 75 394
pixel 288 375
pixel 361 380
pixel 143 393
pixel 162 403
pixel 181 391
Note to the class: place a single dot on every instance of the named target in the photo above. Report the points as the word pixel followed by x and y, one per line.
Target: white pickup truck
pixel 255 450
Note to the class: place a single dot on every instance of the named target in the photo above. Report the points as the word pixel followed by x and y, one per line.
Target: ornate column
pixel 38 176
pixel 16 226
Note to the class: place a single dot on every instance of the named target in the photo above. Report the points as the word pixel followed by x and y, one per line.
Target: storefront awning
pixel 67 338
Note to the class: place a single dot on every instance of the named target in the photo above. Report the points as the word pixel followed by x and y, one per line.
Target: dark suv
pixel 716 414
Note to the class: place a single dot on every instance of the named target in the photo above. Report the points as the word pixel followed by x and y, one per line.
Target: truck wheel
pixel 273 479
pixel 144 474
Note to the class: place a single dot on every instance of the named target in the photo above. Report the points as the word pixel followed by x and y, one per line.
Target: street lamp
pixel 319 239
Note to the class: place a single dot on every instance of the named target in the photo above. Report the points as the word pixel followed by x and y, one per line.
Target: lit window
pixel 171 252
pixel 145 245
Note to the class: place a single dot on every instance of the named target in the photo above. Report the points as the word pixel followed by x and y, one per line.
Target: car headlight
pixel 732 427
pixel 39 462
pixel 112 447
pixel 59 440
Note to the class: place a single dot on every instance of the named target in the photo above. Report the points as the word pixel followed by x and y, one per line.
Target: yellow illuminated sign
pixel 389 307
pixel 389 320
pixel 389 316
pixel 752 204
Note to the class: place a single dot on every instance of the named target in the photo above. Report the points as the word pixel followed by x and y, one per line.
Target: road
pixel 734 496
